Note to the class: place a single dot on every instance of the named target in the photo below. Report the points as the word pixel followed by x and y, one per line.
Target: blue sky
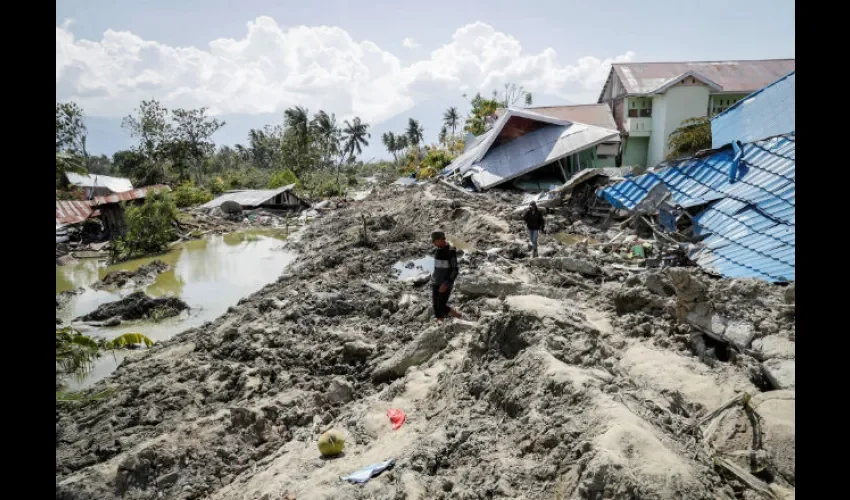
pixel 349 57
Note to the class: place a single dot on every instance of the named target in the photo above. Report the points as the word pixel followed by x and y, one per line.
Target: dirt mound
pixel 573 379
pixel 144 275
pixel 137 306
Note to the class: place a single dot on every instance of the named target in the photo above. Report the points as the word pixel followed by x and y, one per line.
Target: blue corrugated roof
pixel 765 113
pixel 750 224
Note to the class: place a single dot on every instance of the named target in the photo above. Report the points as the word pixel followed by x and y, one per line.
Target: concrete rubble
pixel 593 372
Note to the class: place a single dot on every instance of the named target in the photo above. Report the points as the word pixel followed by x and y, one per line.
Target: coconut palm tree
pixel 443 138
pixel 328 134
pixel 390 141
pixel 415 132
pixel 451 118
pixel 354 136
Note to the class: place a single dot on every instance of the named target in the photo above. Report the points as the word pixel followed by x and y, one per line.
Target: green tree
pixel 282 178
pixel 151 128
pixel 71 132
pixel 297 138
pixel 149 227
pixel 451 119
pixel 190 141
pixel 391 142
pixel 100 165
pixel 355 135
pixel 443 137
pixel 693 135
pixel 482 110
pixel 76 353
pixel 328 135
pixel 66 162
pixel 415 133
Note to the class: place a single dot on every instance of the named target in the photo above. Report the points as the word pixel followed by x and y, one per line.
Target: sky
pixel 384 61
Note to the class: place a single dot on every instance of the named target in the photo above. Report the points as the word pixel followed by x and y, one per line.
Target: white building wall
pixel 680 103
pixel 657 137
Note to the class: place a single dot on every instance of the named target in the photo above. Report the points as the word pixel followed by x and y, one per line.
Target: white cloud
pixel 410 43
pixel 321 67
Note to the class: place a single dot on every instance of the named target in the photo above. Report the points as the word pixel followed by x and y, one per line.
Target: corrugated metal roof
pixel 765 113
pixel 72 212
pixel 731 76
pixel 128 195
pixel 114 184
pixel 527 152
pixel 247 198
pixel 598 115
pixel 751 224
pixel 532 151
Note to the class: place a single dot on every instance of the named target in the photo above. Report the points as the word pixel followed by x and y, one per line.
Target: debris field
pixel 581 374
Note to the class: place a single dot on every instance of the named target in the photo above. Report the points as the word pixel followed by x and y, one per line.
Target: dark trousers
pixel 440 301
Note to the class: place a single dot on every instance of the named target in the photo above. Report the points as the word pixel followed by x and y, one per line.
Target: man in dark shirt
pixel 535 223
pixel 444 275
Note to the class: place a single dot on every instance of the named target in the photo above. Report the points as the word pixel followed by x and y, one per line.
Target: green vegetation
pixel 76 353
pixel 149 227
pixel 175 147
pixel 693 135
pixel 190 195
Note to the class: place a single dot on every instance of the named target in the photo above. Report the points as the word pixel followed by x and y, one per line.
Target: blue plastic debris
pixel 368 472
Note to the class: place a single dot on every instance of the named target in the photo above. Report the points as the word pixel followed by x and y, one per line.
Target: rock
pixel 488 287
pixel 153 417
pixel 780 372
pixel 137 306
pixel 791 293
pixel 167 480
pixel 114 321
pixel 778 417
pixel 339 391
pixel 740 333
pixel 429 342
pixel 144 275
pixel 568 264
pixel 357 351
pixel 659 284
pixel 775 346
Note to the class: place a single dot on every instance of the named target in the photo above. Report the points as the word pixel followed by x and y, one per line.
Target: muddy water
pixel 410 268
pixel 209 274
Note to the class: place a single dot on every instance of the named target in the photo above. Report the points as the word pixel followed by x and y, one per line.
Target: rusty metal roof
pixel 730 76
pixel 134 194
pixel 599 115
pixel 72 212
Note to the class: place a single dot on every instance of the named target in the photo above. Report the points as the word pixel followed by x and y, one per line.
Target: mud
pixel 580 379
pixel 143 276
pixel 135 306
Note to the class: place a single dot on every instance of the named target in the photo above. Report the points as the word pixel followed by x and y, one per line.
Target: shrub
pixel 282 178
pixel 149 226
pixel 189 195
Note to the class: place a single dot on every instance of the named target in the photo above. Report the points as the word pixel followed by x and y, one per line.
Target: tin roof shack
pixel 98 185
pixel 282 199
pixel 526 146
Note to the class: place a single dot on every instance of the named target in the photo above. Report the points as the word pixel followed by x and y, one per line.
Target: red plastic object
pixel 397 417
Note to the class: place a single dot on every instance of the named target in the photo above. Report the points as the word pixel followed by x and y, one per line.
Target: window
pixel 633 113
pixel 646 113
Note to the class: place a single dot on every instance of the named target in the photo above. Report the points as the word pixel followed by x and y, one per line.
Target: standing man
pixel 444 275
pixel 535 223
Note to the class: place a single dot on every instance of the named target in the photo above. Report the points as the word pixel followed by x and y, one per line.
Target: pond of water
pixel 209 274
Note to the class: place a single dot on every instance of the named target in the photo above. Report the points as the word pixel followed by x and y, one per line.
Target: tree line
pixel 176 147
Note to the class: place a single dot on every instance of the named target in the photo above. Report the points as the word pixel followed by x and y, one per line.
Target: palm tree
pixel 328 134
pixel 390 141
pixel 451 119
pixel 415 132
pixel 443 136
pixel 354 136
pixel 401 142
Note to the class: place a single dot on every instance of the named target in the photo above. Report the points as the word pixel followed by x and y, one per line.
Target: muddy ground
pixel 573 376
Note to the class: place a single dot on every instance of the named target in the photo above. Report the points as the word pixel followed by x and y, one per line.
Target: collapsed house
pixel 739 197
pixel 106 208
pixel 528 147
pixel 283 199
